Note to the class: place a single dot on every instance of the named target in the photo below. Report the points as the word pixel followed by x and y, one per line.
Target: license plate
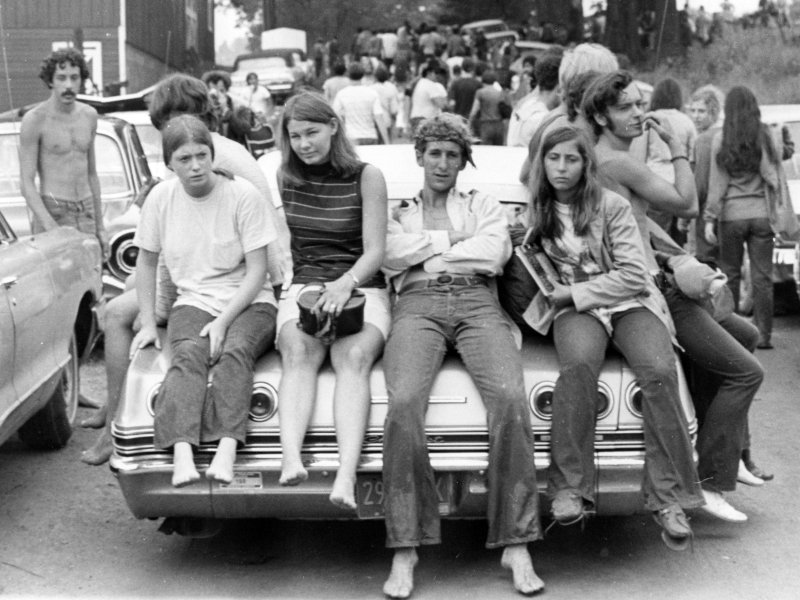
pixel 244 481
pixel 370 495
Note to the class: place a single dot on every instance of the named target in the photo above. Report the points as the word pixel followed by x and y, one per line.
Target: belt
pixel 445 280
pixel 71 205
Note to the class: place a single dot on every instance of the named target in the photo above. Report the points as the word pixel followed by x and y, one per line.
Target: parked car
pixel 123 172
pixel 456 418
pixel 527 48
pixel 283 71
pixel 50 305
pixel 487 25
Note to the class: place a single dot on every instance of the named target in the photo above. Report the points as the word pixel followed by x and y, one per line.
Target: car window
pixel 6 235
pixel 150 138
pixel 792 166
pixel 110 166
pixel 9 166
pixel 265 62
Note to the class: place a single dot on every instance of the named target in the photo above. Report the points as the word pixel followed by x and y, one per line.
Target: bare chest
pixel 65 136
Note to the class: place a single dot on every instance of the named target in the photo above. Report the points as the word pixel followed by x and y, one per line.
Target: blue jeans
pixel 581 341
pixel 711 348
pixel 757 234
pixel 188 407
pixel 425 322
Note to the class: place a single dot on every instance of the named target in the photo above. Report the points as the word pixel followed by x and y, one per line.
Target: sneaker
pixel 673 521
pixel 751 466
pixel 744 476
pixel 717 506
pixel 567 507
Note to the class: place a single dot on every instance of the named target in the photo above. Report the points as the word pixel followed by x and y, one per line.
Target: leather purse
pixel 322 325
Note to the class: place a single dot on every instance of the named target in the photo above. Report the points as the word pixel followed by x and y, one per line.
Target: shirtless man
pixel 57 141
pixel 613 106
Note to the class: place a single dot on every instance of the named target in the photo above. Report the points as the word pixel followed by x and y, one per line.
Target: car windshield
pixel 110 166
pixel 151 143
pixel 9 166
pixel 263 62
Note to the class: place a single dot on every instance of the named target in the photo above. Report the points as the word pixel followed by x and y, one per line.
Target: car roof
pixel 282 52
pixel 780 113
pixel 105 123
pixel 106 104
pixel 483 23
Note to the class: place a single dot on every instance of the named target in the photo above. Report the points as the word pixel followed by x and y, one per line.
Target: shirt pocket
pixel 226 254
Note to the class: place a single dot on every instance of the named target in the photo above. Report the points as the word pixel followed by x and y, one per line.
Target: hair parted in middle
pixel 542 209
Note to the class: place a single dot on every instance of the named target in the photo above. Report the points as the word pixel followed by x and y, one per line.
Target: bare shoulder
pixel 34 118
pixel 371 173
pixel 620 166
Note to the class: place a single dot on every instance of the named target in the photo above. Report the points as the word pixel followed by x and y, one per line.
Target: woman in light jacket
pixel 604 293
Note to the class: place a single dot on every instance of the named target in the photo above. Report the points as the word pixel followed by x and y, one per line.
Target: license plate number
pixel 370 495
pixel 244 481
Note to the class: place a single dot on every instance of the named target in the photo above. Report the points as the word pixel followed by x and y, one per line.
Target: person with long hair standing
pixel 336 209
pixel 224 315
pixel 605 294
pixel 745 164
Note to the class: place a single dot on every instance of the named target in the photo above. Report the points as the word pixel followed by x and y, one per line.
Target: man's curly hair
pixel 60 58
pixel 446 127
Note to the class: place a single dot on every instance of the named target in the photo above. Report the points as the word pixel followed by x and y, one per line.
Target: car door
pixel 7 394
pixel 29 299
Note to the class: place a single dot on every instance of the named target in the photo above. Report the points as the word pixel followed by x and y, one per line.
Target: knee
pixel 352 360
pixel 120 314
pixel 301 354
pixel 188 353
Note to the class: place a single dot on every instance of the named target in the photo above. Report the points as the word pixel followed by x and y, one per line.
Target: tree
pixel 623 32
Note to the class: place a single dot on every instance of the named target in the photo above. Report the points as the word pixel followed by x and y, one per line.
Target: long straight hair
pixel 543 216
pixel 311 106
pixel 744 137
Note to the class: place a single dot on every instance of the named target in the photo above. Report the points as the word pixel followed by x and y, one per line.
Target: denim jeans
pixel 738 374
pixel 425 322
pixel 757 234
pixel 581 340
pixel 191 409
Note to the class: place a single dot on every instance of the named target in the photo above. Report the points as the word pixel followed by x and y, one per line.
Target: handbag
pixel 324 326
pixel 786 225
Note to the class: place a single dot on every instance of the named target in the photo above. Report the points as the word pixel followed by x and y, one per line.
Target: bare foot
pixel 401 579
pixel 343 495
pixel 101 451
pixel 221 468
pixel 517 558
pixel 292 472
pixel 96 420
pixel 183 471
pixel 87 402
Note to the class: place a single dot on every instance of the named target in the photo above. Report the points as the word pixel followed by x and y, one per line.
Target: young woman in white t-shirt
pixel 213 231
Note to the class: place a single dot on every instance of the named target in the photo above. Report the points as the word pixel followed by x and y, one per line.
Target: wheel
pixel 51 427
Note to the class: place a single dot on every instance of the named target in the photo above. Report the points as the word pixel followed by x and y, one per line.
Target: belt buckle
pixel 444 279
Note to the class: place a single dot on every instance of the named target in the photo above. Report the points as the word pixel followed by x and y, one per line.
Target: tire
pixel 51 427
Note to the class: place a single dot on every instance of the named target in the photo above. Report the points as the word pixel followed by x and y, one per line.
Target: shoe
pixel 717 506
pixel 673 521
pixel 765 345
pixel 751 466
pixel 567 507
pixel 743 475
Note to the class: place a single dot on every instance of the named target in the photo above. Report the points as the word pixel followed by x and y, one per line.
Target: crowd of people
pixel 613 189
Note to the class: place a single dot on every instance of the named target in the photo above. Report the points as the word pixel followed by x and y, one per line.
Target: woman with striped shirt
pixel 336 208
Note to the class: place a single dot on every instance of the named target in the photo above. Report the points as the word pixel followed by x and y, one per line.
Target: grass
pixel 757 58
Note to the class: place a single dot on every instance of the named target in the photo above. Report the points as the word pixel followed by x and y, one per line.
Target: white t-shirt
pixel 425 92
pixel 360 108
pixel 204 240
pixel 525 120
pixel 258 99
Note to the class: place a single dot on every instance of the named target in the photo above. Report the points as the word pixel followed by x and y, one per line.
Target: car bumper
pixel 256 493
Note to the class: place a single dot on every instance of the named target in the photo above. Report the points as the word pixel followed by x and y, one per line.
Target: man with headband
pixel 443 250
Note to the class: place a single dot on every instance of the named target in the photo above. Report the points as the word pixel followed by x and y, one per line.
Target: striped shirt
pixel 324 215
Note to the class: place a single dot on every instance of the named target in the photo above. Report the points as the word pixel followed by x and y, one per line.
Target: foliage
pixel 758 58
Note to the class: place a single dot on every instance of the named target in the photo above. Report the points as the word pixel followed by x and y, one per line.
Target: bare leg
pixel 301 358
pixel 120 316
pixel 401 579
pixel 183 471
pixel 221 468
pixel 352 358
pixel 517 558
pixel 96 420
